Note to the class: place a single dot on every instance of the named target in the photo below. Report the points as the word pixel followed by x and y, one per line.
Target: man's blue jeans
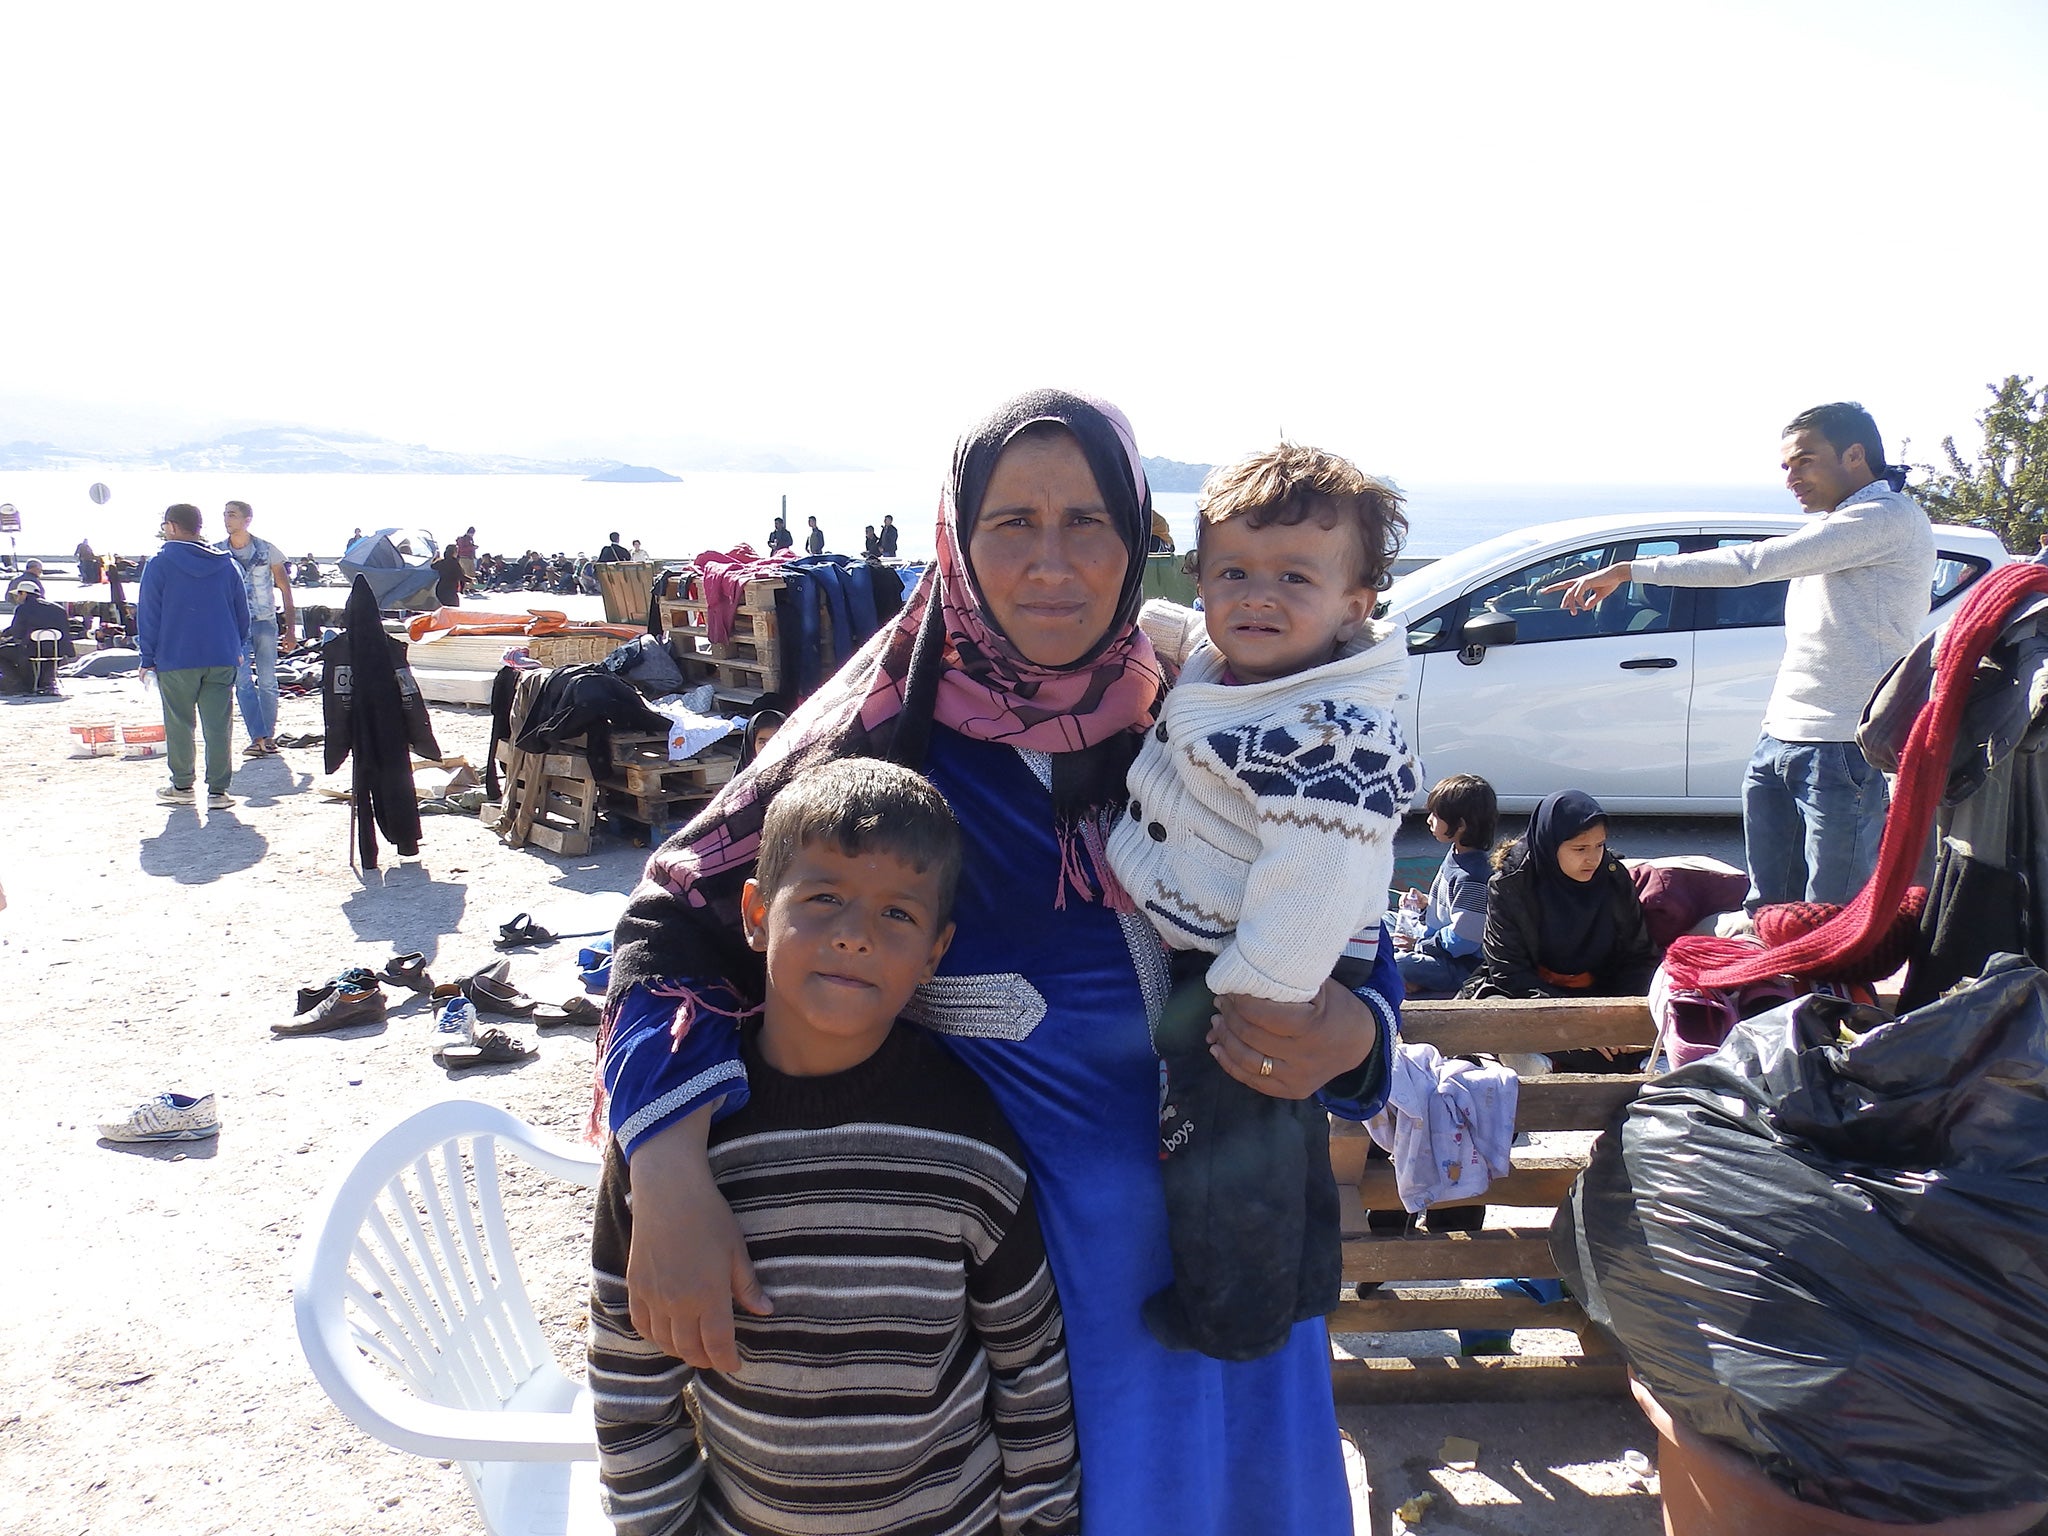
pixel 1812 816
pixel 1432 975
pixel 256 681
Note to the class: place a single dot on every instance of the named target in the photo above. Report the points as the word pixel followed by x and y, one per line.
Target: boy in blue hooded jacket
pixel 192 625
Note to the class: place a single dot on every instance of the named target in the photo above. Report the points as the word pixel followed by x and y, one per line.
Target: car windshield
pixel 1451 571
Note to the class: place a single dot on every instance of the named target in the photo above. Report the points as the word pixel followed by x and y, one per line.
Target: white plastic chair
pixel 413 1317
pixel 43 652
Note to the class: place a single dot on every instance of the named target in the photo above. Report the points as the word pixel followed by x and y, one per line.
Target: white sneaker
pixel 219 800
pixel 1529 1064
pixel 170 794
pixel 167 1117
pixel 455 1024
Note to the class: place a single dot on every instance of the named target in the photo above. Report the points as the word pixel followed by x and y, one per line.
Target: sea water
pixel 315 514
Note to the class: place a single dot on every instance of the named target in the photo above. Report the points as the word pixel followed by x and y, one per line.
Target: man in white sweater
pixel 1860 572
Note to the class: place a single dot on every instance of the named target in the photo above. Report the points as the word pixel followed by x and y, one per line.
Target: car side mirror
pixel 1481 631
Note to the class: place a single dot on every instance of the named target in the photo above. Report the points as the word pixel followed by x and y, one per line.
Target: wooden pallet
pixel 567 813
pixel 1393 1263
pixel 641 766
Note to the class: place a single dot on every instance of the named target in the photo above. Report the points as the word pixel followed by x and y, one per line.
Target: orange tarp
pixel 535 621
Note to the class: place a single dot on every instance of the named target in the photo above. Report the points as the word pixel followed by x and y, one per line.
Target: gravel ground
pixel 150 1373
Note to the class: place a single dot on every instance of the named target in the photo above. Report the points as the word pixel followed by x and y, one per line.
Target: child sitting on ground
pixel 911 1374
pixel 1261 831
pixel 1463 812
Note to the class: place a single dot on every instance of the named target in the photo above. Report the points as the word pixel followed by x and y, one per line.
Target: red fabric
pixel 725 574
pixel 1795 919
pixel 1675 898
pixel 1849 942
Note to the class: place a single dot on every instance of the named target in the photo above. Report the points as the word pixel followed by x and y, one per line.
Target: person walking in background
pixel 814 541
pixel 888 536
pixel 465 550
pixel 192 629
pixel 871 543
pixel 779 537
pixel 1860 578
pixel 613 552
pixel 266 578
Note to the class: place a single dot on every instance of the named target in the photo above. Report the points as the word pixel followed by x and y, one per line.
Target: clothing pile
pixel 823 597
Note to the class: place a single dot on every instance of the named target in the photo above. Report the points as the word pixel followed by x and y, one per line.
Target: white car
pixel 1651 702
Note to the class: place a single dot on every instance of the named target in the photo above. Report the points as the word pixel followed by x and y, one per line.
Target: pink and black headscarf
pixel 943 660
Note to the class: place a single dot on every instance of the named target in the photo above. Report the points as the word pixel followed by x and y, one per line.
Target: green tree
pixel 2006 489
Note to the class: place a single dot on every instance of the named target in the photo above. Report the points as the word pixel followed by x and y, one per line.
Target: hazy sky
pixel 1461 242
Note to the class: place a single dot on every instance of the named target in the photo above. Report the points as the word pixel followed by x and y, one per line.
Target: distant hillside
pixel 299 451
pixel 1172 475
pixel 635 474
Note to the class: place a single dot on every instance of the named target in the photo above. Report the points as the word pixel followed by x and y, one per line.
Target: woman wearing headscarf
pixel 1016 679
pixel 1562 915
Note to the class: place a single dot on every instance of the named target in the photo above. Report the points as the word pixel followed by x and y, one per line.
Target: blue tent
pixel 381 558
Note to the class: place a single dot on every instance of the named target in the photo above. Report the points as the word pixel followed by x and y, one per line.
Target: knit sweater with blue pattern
pixel 1262 816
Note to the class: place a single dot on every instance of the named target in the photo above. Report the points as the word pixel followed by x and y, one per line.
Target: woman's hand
pixel 1307 1044
pixel 688 1262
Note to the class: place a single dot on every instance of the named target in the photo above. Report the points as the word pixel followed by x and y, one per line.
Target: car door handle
pixel 1653 663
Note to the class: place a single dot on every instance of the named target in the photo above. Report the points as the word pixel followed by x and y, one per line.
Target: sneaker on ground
pixel 455 1024
pixel 170 794
pixel 219 800
pixel 167 1117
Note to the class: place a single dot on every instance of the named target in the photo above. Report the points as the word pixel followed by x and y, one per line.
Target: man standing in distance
pixel 888 536
pixel 265 578
pixel 192 628
pixel 1860 572
pixel 613 552
pixel 814 541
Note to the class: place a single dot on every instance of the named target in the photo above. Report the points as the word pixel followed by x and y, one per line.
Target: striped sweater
pixel 913 1378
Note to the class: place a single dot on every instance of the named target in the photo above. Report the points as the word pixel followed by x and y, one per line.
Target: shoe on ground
pixel 455 1025
pixel 170 794
pixel 254 749
pixel 167 1117
pixel 349 1003
pixel 219 800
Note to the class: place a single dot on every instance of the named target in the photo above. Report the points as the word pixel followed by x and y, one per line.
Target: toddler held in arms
pixel 1260 841
pixel 911 1375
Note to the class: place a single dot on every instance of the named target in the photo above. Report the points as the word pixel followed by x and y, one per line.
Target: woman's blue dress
pixel 1050 1007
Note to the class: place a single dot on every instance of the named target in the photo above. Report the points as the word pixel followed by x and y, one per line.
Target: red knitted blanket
pixel 1849 940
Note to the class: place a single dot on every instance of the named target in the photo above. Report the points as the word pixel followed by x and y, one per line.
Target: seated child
pixel 1563 920
pixel 912 1373
pixel 1263 810
pixel 1464 813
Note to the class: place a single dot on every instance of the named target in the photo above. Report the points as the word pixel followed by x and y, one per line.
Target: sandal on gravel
pixel 408 971
pixel 523 930
pixel 578 1010
pixel 491 1048
pixel 492 991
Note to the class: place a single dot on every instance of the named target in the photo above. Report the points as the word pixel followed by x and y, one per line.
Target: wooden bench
pixel 1555 1102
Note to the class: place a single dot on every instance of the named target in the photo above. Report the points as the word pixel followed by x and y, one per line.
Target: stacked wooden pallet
pixel 748 657
pixel 564 813
pixel 646 787
pixel 1401 1275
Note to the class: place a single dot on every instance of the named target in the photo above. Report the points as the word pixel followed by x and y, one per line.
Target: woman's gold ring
pixel 1265 1066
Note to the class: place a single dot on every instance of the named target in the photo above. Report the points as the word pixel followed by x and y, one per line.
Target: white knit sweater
pixel 1262 817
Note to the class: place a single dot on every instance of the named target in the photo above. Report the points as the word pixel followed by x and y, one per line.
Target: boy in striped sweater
pixel 910 1377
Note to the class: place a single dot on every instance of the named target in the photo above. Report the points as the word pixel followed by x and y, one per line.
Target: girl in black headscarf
pixel 1562 915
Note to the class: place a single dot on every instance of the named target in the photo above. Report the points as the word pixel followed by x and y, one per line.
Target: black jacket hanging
pixel 376 715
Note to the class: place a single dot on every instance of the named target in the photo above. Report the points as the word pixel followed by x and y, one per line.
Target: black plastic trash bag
pixel 1835 1257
